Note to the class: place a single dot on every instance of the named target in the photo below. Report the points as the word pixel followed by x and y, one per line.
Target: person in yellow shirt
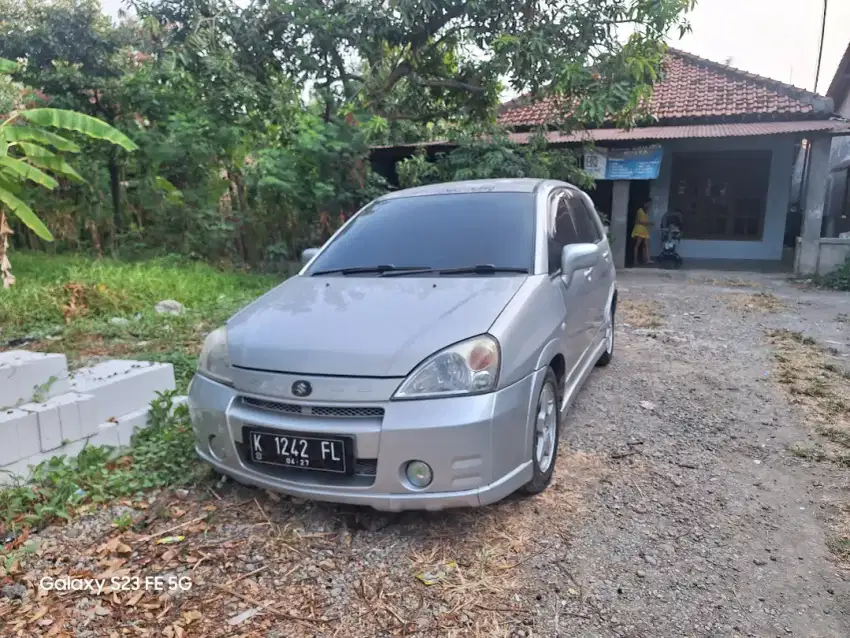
pixel 640 233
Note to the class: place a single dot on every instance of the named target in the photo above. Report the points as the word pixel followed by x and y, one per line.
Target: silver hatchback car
pixel 423 358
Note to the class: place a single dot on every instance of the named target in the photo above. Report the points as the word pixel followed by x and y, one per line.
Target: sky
pixel 774 38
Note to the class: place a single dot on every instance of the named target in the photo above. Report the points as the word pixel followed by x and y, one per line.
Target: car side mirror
pixel 578 257
pixel 307 255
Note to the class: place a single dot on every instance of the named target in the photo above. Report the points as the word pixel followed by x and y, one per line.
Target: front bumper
pixel 478 447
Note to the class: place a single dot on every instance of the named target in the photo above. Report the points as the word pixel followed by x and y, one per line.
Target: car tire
pixel 543 464
pixel 610 316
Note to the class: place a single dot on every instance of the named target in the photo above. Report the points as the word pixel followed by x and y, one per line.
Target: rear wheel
pixel 606 357
pixel 544 445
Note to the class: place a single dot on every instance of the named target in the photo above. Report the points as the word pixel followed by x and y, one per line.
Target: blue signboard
pixel 622 164
pixel 637 163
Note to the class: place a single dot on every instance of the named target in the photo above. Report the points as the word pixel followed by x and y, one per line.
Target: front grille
pixel 314 410
pixel 366 467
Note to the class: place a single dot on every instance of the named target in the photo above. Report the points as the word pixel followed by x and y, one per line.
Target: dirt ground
pixel 703 489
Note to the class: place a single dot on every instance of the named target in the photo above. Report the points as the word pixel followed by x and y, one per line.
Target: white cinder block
pixel 19 437
pixel 107 434
pixel 22 469
pixel 121 387
pixel 49 425
pixel 9 443
pixel 88 415
pixel 73 408
pixel 129 423
pixel 27 376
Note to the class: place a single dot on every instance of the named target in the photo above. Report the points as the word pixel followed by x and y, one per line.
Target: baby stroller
pixel 671 235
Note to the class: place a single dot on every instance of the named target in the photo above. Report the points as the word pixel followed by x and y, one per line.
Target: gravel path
pixel 707 525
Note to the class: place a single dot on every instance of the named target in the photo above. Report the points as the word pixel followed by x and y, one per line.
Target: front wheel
pixel 544 445
pixel 606 357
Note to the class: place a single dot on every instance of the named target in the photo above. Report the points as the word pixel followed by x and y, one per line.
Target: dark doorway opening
pixel 602 196
pixel 638 194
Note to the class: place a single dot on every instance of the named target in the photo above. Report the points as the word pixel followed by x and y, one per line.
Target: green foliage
pixel 838 279
pixel 253 121
pixel 113 288
pixel 162 454
pixel 14 171
pixel 479 156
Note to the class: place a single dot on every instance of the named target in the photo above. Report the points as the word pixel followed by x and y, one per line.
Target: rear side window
pixel 562 232
pixel 586 228
pixel 438 231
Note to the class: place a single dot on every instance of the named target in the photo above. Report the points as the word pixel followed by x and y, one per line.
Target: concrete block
pixel 129 423
pixel 26 376
pixel 107 434
pixel 49 425
pixel 9 443
pixel 21 470
pixel 19 436
pixel 122 387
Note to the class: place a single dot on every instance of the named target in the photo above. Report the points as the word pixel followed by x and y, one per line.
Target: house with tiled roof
pixel 719 149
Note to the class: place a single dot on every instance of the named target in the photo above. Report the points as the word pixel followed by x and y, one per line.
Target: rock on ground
pixel 169 307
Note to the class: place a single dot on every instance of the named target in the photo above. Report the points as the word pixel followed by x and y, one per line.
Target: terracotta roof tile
pixel 693 89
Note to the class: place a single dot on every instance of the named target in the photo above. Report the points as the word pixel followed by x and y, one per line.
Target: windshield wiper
pixel 357 270
pixel 478 269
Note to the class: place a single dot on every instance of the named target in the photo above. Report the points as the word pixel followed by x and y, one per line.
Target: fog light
pixel 419 473
pixel 217 448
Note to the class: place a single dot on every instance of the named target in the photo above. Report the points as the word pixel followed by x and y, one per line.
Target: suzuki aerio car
pixel 423 358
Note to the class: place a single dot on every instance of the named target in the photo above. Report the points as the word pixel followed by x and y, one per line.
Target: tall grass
pixel 67 304
pixel 113 288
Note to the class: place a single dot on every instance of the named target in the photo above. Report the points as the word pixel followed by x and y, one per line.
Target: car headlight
pixel 468 367
pixel 214 361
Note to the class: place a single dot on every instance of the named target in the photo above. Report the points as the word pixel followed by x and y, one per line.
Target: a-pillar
pixel 619 221
pixel 806 261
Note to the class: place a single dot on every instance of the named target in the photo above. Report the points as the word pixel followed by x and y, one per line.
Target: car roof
pixel 519 185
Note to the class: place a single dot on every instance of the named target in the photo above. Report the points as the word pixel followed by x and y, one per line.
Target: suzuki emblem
pixel 302 389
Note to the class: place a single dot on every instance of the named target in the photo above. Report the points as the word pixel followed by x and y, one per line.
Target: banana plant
pixel 31 152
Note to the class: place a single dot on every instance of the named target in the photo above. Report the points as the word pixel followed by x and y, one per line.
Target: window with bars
pixel 721 195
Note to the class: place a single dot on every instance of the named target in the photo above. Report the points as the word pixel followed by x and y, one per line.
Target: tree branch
pixel 450 84
pixel 421 38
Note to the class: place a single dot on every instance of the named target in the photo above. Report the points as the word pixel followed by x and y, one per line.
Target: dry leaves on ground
pixel 639 314
pixel 729 282
pixel 262 564
pixel 753 303
pixel 818 382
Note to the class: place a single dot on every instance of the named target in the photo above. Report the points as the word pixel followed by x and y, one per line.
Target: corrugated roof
pixel 693 88
pixel 743 129
pixel 648 133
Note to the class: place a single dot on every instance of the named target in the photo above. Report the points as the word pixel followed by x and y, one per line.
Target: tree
pixel 31 152
pixel 448 59
pixel 75 56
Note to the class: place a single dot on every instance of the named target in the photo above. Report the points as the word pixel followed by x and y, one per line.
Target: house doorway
pixel 602 196
pixel 638 194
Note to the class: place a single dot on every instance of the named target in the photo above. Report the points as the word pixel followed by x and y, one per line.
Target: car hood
pixel 363 326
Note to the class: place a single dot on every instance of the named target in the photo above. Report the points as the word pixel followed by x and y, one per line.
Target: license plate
pixel 299 451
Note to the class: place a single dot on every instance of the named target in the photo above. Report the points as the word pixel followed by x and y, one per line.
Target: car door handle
pixel 588 274
pixel 605 255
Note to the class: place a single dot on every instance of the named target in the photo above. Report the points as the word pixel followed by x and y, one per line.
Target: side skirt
pixel 570 392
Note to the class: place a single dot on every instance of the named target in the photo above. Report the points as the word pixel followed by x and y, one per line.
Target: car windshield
pixel 437 232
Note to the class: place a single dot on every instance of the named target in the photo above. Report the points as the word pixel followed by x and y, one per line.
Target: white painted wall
pixel 779 186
